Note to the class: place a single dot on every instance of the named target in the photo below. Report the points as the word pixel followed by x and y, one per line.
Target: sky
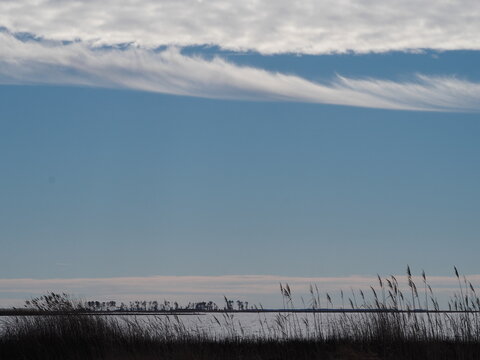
pixel 193 149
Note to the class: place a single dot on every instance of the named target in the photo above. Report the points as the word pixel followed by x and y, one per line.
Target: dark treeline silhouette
pixel 150 306
pixel 54 302
pixel 153 306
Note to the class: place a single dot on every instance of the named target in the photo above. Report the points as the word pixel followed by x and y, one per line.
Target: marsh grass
pixel 394 323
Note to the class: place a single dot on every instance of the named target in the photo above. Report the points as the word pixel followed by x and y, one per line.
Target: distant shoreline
pixel 21 312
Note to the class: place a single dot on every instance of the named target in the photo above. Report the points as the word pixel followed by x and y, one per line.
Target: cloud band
pixel 266 26
pixel 171 72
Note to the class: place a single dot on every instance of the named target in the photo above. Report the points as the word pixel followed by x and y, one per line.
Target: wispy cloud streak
pixel 266 26
pixel 171 72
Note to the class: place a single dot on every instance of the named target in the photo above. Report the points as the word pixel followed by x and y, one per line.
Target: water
pixel 306 325
pixel 292 325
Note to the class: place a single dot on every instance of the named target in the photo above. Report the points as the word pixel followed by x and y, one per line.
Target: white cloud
pixel 171 72
pixel 267 26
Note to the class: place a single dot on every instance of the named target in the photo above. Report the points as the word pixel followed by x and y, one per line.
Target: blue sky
pixel 126 155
